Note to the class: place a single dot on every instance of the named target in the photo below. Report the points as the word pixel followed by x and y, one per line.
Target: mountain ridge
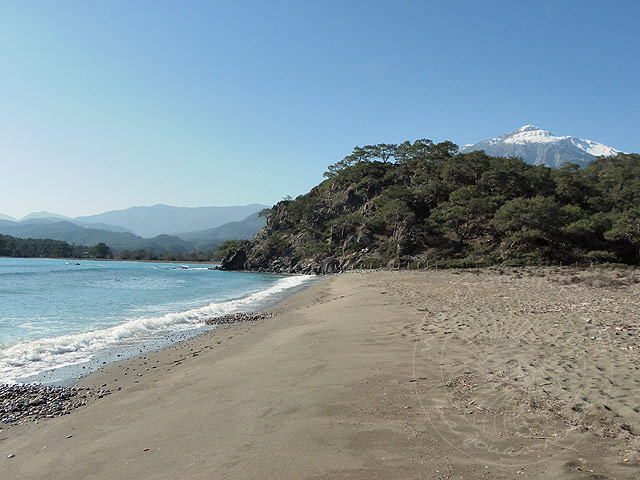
pixel 120 239
pixel 42 215
pixel 244 229
pixel 151 221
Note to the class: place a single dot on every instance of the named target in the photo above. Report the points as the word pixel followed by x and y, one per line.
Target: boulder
pixel 364 240
pixel 329 265
pixel 235 260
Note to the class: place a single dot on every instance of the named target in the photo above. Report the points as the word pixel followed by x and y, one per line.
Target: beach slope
pixel 378 375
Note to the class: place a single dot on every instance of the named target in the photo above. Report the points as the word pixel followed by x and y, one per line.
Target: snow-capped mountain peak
pixel 541 147
pixel 529 133
pixel 527 128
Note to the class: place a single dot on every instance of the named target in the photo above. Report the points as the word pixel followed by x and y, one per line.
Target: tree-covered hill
pixel 419 203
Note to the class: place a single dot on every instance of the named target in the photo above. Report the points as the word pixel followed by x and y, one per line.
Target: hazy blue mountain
pixel 102 226
pixel 48 220
pixel 540 147
pixel 76 234
pixel 165 219
pixel 244 229
pixel 37 221
pixel 43 214
pixel 6 217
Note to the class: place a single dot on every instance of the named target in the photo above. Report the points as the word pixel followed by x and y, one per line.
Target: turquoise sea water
pixel 60 313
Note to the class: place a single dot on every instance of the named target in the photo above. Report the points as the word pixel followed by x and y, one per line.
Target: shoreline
pixel 61 359
pixel 370 375
pixel 204 262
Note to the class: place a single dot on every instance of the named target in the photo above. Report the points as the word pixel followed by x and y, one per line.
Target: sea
pixel 61 319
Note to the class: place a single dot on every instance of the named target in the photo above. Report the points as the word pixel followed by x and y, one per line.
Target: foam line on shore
pixel 28 358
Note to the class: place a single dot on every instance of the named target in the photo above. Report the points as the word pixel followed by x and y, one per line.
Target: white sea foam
pixel 24 359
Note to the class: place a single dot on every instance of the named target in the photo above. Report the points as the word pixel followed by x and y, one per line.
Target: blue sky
pixel 108 104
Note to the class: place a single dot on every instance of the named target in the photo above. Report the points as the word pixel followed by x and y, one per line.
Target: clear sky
pixel 109 104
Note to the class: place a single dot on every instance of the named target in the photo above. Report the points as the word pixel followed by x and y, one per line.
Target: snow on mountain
pixel 540 147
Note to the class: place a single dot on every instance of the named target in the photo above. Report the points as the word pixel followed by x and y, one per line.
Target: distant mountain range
pixel 155 220
pixel 43 214
pixel 165 219
pixel 540 147
pixel 137 227
pixel 164 228
pixel 241 230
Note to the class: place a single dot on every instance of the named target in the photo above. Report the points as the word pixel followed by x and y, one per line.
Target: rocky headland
pixel 423 204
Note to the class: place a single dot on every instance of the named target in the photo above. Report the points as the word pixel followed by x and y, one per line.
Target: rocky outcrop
pixel 308 235
pixel 330 265
pixel 245 259
pixel 237 259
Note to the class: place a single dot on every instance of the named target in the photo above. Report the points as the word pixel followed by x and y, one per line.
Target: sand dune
pixel 378 375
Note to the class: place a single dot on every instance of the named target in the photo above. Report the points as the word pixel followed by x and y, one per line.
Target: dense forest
pixel 418 204
pixel 47 248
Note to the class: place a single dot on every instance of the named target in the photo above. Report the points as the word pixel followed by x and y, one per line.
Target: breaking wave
pixel 27 358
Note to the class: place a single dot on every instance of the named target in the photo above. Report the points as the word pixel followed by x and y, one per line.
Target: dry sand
pixel 378 375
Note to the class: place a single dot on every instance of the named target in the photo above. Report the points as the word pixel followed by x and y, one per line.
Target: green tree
pixel 344 225
pixel 627 228
pixel 227 247
pixel 614 182
pixel 393 216
pixel 466 169
pixel 100 250
pixel 265 212
pixel 570 187
pixel 465 213
pixel 527 223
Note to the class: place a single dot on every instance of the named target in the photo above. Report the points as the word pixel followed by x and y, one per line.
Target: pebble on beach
pixel 237 318
pixel 18 401
pixel 33 401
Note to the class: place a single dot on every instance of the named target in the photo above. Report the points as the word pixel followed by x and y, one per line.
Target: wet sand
pixel 380 375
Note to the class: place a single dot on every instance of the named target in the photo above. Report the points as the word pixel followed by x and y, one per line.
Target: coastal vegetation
pixel 47 248
pixel 419 204
pixel 40 248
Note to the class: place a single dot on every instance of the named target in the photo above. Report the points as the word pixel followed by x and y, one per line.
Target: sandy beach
pixel 498 373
